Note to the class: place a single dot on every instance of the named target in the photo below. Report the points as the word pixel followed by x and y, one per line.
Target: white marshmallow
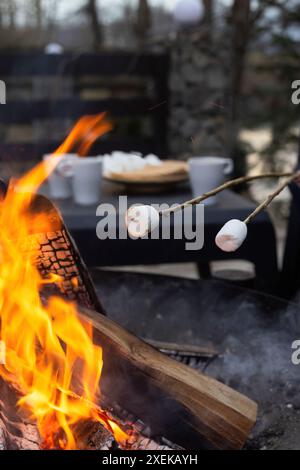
pixel 152 160
pixel 141 220
pixel 232 235
pixel 122 162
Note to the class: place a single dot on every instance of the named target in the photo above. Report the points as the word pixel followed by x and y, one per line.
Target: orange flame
pixel 50 352
pixel 85 132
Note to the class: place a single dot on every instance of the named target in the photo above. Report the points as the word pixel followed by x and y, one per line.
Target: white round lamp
pixel 54 48
pixel 188 12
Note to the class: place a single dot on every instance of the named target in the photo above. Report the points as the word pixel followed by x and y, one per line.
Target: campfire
pixel 50 354
pixel 55 364
pixel 74 379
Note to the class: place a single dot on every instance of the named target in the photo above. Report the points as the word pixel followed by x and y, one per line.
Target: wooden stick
pixel 227 185
pixel 271 196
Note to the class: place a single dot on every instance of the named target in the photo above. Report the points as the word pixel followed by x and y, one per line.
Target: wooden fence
pixel 46 94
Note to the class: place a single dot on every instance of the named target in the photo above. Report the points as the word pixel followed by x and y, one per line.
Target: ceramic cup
pixel 206 173
pixel 86 180
pixel 59 180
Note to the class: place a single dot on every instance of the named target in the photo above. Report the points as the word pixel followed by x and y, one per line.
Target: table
pixel 259 247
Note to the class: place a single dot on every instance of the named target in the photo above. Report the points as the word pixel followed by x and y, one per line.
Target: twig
pixel 227 185
pixel 271 196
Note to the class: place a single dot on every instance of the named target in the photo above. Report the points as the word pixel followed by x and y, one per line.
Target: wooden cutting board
pixel 168 172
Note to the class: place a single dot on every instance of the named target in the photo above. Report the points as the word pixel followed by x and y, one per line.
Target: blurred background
pixel 221 84
pixel 237 61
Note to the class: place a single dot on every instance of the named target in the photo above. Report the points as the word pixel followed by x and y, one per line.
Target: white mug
pixel 86 180
pixel 206 173
pixel 59 180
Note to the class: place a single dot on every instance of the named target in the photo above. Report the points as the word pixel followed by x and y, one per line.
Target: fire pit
pixel 252 337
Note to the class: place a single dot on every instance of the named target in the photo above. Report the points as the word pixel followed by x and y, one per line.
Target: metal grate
pixel 193 356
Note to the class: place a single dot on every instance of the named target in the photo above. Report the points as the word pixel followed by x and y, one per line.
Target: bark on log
pixel 58 254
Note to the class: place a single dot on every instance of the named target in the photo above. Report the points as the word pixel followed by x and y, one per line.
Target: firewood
pixel 58 254
pixel 15 432
pixel 188 408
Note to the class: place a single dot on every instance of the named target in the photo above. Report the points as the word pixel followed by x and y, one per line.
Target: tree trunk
pixel 92 12
pixel 240 25
pixel 208 13
pixel 143 22
pixel 12 14
pixel 38 14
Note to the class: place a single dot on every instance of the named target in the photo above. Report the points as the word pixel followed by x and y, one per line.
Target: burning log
pixel 58 255
pixel 15 432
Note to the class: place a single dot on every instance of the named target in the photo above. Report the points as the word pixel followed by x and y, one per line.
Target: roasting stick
pixel 143 219
pixel 227 185
pixel 271 196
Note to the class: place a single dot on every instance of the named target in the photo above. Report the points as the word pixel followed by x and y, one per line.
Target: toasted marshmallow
pixel 232 235
pixel 141 220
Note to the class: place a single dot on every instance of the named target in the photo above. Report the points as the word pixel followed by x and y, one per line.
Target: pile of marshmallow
pixel 141 220
pixel 122 162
